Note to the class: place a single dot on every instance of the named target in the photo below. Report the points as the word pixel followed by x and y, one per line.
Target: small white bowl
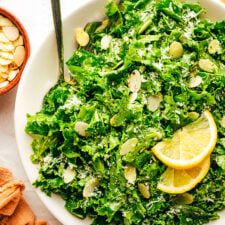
pixel 41 73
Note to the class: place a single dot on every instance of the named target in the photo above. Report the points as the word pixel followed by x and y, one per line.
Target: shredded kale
pixel 141 32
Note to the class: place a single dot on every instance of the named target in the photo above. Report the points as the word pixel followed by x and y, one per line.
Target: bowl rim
pixel 42 196
pixel 26 40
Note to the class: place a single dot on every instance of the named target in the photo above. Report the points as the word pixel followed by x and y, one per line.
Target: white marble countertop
pixel 37 19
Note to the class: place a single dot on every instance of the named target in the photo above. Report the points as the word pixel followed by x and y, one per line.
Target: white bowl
pixel 41 74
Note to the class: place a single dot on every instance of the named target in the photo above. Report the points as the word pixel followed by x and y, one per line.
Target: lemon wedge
pixel 174 181
pixel 190 144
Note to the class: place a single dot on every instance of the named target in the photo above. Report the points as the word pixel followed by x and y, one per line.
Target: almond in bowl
pixel 14 50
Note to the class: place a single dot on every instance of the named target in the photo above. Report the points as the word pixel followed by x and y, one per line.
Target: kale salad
pixel 148 69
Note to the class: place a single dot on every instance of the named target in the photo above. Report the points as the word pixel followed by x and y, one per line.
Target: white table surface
pixel 36 17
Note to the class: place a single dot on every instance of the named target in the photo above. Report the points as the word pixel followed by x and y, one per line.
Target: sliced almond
pixel 12 74
pixel 18 42
pixel 4 84
pixel 195 81
pixel 12 32
pixel 3 69
pixel 80 128
pixel 214 47
pixel 90 187
pixel 19 55
pixel 130 174
pixel 134 81
pixel 153 102
pixel 133 97
pixel 4 62
pixel 69 175
pixel 207 65
pixel 6 47
pixel 6 55
pixel 5 22
pixel 128 146
pixel 3 38
pixel 144 189
pixel 82 37
pixel 4 75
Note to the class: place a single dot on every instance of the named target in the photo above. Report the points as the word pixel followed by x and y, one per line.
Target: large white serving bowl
pixel 41 74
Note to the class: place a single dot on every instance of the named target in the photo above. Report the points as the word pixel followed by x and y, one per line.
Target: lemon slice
pixel 175 181
pixel 189 145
